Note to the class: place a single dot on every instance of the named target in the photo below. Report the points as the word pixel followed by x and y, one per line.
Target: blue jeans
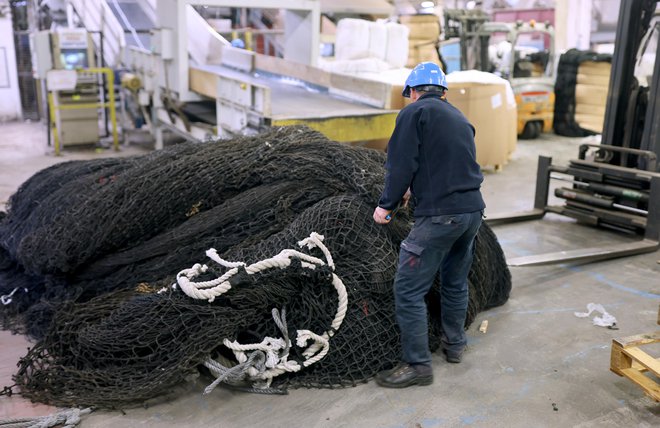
pixel 435 244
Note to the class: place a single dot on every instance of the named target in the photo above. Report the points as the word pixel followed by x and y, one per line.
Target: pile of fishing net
pixel 255 257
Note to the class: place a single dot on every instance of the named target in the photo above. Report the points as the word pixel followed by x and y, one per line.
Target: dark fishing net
pixel 108 338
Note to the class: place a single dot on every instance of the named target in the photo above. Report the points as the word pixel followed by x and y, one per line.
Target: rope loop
pixel 6 298
pixel 260 362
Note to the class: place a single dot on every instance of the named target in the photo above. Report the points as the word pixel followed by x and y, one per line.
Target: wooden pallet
pixel 629 360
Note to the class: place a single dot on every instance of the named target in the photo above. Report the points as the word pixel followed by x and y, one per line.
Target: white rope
pixel 316 240
pixel 212 254
pixel 205 290
pixel 209 290
pixel 66 418
pixel 6 298
pixel 275 364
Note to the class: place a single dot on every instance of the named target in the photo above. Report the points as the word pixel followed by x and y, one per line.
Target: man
pixel 431 158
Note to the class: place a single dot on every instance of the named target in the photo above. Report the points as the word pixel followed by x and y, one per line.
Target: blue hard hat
pixel 238 43
pixel 425 73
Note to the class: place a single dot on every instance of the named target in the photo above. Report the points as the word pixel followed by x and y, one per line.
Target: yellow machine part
pixel 535 107
pixel 349 129
pixel 131 81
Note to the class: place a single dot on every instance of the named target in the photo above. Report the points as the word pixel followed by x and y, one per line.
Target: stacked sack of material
pixel 423 38
pixel 371 50
pixel 593 79
pixel 366 46
pixel 580 90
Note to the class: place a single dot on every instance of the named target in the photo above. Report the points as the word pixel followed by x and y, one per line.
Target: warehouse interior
pixel 156 151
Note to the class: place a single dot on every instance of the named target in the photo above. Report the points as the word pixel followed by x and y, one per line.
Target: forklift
pixel 520 52
pixel 614 184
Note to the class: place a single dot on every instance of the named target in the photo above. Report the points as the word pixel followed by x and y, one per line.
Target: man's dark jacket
pixel 432 151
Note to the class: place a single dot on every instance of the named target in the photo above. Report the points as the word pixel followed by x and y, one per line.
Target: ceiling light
pixel 427 4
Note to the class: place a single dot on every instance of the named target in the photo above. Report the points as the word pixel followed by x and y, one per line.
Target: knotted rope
pixel 69 418
pixel 261 362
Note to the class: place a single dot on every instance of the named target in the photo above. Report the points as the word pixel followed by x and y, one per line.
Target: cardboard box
pixel 590 109
pixel 595 68
pixel 485 106
pixel 591 90
pixel 594 73
pixel 420 51
pixel 419 19
pixel 592 122
pixel 590 94
pixel 425 31
pixel 398 101
pixel 593 79
pixel 422 27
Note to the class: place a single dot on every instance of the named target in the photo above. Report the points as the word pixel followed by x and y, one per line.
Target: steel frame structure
pixel 301 31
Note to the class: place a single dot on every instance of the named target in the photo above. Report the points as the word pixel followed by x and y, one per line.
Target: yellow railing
pixel 110 105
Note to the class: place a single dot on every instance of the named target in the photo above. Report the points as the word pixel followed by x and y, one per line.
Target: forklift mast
pixel 465 24
pixel 635 18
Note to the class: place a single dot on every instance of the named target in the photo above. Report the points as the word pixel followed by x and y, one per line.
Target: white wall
pixel 10 101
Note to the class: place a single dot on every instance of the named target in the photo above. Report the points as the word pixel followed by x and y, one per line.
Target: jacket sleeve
pixel 402 158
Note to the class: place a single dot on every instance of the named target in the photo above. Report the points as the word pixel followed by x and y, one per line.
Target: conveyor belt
pixel 200 111
pixel 293 102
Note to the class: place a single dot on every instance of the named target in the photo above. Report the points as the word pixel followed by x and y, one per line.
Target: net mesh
pixel 88 245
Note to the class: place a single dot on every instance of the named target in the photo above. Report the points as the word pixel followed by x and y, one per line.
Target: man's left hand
pixel 380 215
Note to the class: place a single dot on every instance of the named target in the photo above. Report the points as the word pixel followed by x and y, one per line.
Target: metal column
pixel 634 18
pixel 651 135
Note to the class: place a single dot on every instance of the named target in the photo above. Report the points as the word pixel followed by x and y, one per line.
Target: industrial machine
pixel 198 85
pixel 180 78
pixel 614 184
pixel 69 52
pixel 521 52
pixel 73 50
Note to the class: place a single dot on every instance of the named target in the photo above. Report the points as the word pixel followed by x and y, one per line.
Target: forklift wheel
pixel 531 131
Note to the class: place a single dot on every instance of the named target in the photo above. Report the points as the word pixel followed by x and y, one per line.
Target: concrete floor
pixel 538 364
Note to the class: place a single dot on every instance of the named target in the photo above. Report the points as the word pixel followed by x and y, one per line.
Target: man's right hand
pixel 381 215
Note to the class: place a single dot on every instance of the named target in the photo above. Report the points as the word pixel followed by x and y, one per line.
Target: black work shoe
pixel 404 375
pixel 453 356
